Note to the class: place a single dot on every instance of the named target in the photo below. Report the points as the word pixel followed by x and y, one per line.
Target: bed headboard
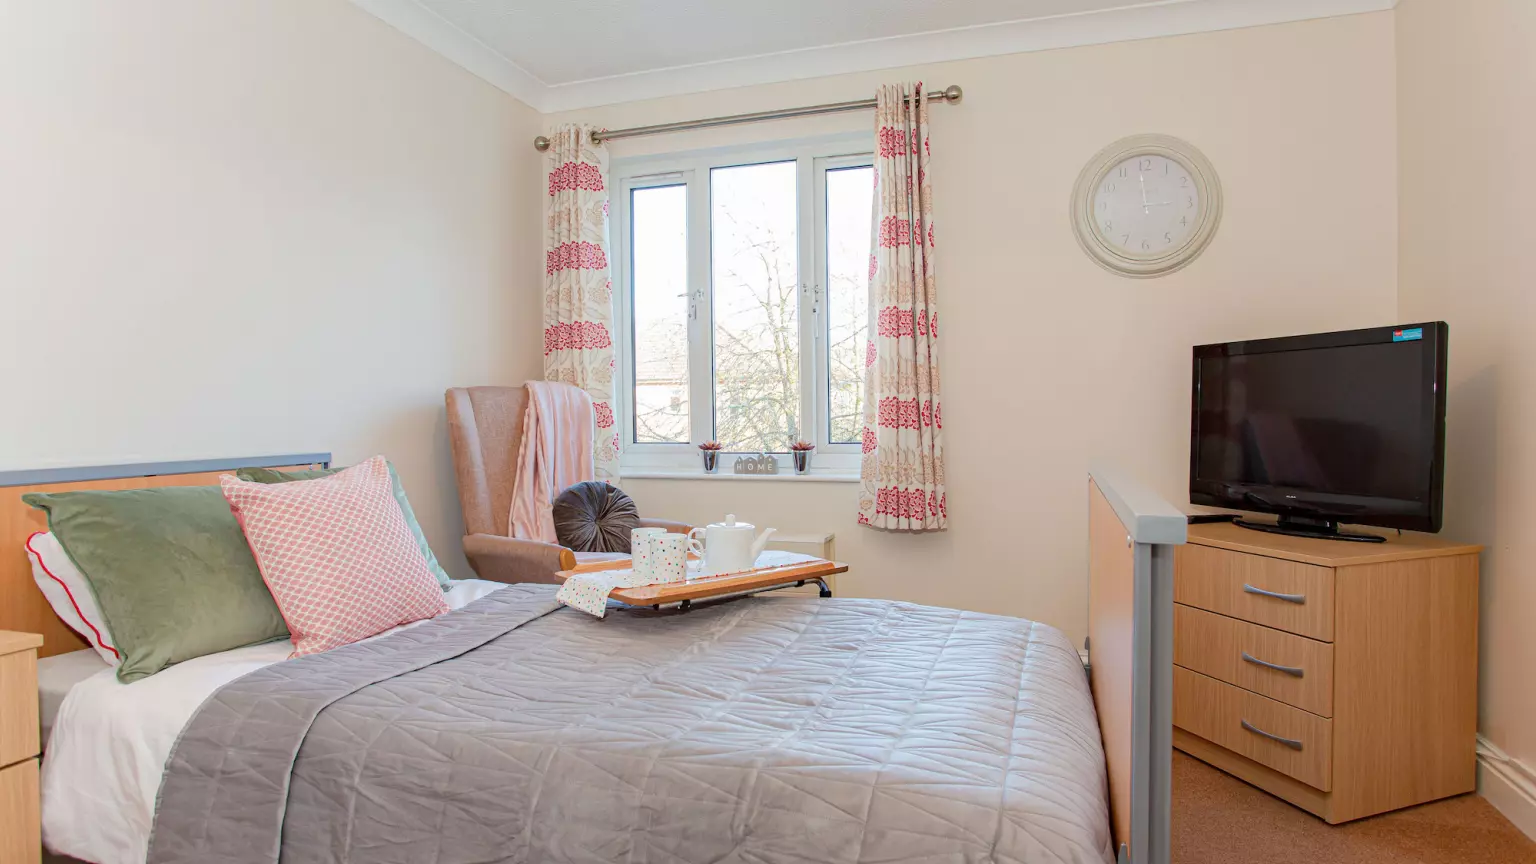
pixel 22 606
pixel 1131 535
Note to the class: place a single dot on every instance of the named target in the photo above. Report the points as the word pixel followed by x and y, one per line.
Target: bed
pixel 514 729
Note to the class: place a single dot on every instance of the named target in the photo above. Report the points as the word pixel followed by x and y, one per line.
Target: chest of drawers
pixel 20 842
pixel 1339 676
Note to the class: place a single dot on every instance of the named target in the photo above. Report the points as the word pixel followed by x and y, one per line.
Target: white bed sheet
pixel 110 742
pixel 56 676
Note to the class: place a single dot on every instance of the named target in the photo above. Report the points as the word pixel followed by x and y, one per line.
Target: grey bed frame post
pixel 1155 527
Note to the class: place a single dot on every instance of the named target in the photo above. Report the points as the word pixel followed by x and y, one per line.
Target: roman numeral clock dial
pixel 1146 206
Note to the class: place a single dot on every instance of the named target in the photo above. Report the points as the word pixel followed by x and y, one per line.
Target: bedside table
pixel 20 814
pixel 1341 677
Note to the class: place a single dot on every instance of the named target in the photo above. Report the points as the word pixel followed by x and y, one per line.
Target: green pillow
pixel 267 475
pixel 170 569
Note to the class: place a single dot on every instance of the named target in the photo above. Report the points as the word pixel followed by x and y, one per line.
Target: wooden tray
pixel 763 579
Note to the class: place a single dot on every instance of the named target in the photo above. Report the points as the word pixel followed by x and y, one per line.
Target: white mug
pixel 669 557
pixel 642 554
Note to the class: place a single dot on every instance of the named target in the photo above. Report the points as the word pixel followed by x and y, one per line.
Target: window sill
pixel 653 474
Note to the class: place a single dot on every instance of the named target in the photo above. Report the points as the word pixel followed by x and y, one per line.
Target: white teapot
pixel 730 546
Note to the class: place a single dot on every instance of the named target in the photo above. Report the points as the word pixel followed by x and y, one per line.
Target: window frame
pixel 813 158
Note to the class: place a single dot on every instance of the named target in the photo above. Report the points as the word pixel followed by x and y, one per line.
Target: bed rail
pixel 1132 533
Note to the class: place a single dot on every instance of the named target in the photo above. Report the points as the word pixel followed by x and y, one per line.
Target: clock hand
pixel 1146 210
pixel 1148 203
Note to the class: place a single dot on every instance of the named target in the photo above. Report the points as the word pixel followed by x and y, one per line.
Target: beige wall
pixel 269 226
pixel 237 228
pixel 1050 362
pixel 1466 79
pixel 254 227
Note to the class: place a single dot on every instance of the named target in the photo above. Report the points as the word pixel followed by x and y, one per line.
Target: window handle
pixel 1299 599
pixel 1289 742
pixel 1289 670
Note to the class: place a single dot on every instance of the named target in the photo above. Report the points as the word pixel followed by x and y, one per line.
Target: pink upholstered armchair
pixel 485 428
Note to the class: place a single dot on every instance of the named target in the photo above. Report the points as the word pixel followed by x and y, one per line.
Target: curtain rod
pixel 949 94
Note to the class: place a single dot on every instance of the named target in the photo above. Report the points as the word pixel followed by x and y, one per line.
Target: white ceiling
pixel 562 54
pixel 578 40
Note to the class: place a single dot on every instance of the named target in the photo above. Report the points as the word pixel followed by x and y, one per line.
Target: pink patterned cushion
pixel 336 554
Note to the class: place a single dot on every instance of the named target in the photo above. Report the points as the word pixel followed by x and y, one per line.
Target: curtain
pixel 902 473
pixel 578 293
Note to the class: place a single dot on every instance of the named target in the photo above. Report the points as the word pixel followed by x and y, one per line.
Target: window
pixel 660 284
pixel 849 212
pixel 743 292
pixel 755 277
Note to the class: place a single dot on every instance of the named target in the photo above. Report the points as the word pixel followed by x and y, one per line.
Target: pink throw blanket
pixel 556 453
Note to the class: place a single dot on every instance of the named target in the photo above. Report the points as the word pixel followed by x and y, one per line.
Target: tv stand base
pixel 1320 529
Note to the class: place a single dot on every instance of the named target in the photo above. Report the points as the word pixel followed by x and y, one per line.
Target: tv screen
pixel 1329 428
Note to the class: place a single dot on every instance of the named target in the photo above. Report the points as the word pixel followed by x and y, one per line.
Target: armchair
pixel 485 429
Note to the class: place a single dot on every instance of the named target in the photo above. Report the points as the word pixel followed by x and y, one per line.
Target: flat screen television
pixel 1324 429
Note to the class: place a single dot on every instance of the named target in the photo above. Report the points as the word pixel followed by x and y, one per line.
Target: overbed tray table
pixel 769 578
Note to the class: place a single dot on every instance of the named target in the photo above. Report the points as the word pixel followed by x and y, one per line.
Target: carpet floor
pixel 1218 819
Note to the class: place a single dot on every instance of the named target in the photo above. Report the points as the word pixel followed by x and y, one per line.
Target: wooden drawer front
pixel 1231 583
pixel 21 840
pixel 1216 711
pixel 1236 652
pixel 18 707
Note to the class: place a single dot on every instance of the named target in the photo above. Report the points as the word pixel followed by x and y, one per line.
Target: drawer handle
pixel 1289 742
pixel 1299 599
pixel 1289 670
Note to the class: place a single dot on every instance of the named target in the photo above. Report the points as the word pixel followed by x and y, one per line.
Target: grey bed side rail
pixel 1153 527
pixel 1144 513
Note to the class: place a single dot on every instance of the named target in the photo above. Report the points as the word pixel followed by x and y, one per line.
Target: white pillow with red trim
pixel 69 594
pixel 337 554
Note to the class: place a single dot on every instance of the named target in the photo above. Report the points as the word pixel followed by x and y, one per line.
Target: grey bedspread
pixel 763 730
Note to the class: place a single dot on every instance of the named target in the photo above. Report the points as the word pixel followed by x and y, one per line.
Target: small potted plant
pixel 711 451
pixel 802 453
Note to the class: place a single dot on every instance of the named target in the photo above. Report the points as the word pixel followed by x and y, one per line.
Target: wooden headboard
pixel 1131 536
pixel 22 606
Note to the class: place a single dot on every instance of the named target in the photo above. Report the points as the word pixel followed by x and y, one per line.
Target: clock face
pixel 1147 206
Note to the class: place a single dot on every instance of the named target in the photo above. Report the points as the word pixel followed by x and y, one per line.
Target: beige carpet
pixel 1218 819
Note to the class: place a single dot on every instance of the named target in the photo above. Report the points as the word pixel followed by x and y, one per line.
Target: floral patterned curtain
pixel 903 466
pixel 578 293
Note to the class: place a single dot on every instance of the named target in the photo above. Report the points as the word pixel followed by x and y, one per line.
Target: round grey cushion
pixel 595 517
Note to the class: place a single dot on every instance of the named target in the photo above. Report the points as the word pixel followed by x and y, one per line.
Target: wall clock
pixel 1146 205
